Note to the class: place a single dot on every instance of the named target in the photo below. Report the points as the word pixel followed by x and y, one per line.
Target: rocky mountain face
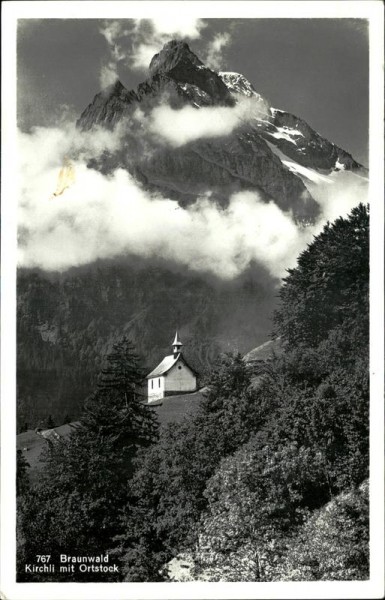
pixel 295 138
pixel 177 62
pixel 258 155
pixel 67 322
pixel 175 71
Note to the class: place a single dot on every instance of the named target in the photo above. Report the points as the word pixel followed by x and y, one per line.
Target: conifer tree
pixel 329 288
pixel 116 408
pixel 67 419
pixel 50 423
pixel 22 480
pixel 85 481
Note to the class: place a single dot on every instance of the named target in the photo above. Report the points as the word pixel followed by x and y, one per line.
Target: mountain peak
pixel 174 53
pixel 177 62
pixel 107 107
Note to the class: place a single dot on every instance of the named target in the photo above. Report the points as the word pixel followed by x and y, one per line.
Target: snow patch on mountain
pixel 199 97
pixel 285 133
pixel 305 173
pixel 237 83
pixel 336 192
pixel 339 166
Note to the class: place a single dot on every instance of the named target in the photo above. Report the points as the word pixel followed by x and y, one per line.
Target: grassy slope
pixel 174 408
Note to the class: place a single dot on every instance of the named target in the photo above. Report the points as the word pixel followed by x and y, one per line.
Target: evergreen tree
pixel 117 409
pixel 50 424
pixel 330 285
pixel 67 419
pixel 75 507
pixel 22 497
pixel 22 479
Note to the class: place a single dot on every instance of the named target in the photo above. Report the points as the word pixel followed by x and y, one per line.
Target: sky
pixel 314 68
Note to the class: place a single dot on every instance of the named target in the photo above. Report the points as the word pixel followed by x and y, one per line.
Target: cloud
pixel 180 126
pixel 116 35
pixel 181 26
pixel 100 217
pixel 113 31
pixel 152 34
pixel 54 144
pixel 337 196
pixel 143 53
pixel 214 53
pixel 108 74
pixel 134 42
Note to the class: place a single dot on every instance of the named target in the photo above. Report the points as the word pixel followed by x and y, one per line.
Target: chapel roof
pixel 164 366
pixel 167 363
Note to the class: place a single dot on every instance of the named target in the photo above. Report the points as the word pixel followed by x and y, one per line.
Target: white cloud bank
pixel 102 217
pixel 180 126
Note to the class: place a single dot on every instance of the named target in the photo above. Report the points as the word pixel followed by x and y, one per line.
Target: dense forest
pixel 267 481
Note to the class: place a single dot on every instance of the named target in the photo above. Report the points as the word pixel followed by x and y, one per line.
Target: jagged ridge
pixel 223 165
pixel 292 135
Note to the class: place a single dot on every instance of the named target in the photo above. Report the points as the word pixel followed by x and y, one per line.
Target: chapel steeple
pixel 176 345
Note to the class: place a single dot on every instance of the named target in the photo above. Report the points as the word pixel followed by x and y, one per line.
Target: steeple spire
pixel 176 345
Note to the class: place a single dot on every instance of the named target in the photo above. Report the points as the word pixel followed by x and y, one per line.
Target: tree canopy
pixel 85 481
pixel 330 285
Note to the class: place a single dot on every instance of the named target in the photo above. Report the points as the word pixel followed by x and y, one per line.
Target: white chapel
pixel 172 376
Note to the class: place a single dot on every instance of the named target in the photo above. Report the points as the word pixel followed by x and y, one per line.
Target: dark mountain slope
pixel 68 322
pixel 241 160
pixel 222 165
pixel 292 135
pixel 306 146
pixel 180 64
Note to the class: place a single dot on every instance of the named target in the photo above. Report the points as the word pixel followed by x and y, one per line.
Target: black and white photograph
pixel 192 352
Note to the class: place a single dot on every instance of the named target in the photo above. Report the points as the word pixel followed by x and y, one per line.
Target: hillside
pixel 173 409
pixel 68 322
pixel 308 557
pixel 32 443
